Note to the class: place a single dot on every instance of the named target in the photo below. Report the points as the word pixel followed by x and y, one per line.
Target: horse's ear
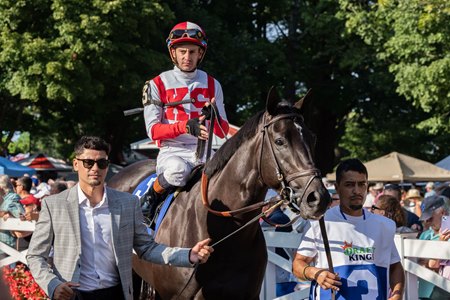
pixel 272 101
pixel 300 102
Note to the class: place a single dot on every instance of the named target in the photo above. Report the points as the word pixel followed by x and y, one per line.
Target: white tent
pixel 146 144
pixel 398 167
pixel 444 164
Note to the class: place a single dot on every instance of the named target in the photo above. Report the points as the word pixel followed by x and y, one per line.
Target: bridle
pixel 286 192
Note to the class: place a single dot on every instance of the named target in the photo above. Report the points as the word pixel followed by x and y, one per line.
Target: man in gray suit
pixel 93 230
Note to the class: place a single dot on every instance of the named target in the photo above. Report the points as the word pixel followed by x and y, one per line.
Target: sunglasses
pixel 89 163
pixel 375 207
pixel 192 33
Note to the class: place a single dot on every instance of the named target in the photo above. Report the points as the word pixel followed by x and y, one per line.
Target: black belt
pixel 111 293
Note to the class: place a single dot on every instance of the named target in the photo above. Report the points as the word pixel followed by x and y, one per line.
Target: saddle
pixel 163 208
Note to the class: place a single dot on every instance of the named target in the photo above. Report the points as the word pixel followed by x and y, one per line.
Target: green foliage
pixel 76 65
pixel 378 71
pixel 20 145
pixel 411 40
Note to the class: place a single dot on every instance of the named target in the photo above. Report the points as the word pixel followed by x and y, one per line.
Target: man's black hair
pixel 92 143
pixel 351 164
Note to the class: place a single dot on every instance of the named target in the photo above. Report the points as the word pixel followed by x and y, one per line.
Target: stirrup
pixel 153 202
pixel 150 221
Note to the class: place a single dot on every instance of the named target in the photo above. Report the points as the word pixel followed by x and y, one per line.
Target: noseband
pixel 286 192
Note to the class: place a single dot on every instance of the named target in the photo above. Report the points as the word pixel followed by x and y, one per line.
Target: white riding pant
pixel 176 164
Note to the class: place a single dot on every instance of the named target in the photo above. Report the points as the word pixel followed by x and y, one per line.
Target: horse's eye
pixel 279 142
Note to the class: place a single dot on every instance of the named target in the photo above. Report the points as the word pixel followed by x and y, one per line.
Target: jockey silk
pixel 173 86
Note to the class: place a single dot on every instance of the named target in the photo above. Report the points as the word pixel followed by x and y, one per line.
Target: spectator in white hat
pixel 413 201
pixel 374 190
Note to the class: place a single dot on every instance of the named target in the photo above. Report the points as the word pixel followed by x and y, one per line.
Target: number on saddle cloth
pixel 142 189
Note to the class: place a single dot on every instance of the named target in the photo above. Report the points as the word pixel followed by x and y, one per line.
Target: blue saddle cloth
pixel 140 191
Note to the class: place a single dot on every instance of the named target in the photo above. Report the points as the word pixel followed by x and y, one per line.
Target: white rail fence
pixel 13 224
pixel 410 251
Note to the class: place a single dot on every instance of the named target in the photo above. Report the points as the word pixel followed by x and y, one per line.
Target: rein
pixel 229 213
pixel 280 225
pixel 261 215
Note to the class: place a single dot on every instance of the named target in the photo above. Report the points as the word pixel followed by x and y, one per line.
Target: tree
pixel 411 39
pixel 81 64
pixel 75 65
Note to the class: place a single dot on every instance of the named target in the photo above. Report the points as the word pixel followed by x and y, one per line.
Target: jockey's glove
pixel 193 127
pixel 206 111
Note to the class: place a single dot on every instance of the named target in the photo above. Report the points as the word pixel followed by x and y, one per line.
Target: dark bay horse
pixel 271 150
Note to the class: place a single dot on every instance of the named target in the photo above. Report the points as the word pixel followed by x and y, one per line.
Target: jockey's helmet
pixel 187 33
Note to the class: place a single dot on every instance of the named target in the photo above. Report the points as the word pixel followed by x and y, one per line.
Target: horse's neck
pixel 239 183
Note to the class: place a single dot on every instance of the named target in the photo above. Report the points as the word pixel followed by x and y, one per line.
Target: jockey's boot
pixel 155 196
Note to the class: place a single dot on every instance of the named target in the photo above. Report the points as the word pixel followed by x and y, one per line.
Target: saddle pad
pixel 143 188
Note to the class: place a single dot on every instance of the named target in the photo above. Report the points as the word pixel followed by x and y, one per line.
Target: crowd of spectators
pixel 420 211
pixel 21 198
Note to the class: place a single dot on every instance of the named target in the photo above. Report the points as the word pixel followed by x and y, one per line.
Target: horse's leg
pixel 235 272
pixel 179 228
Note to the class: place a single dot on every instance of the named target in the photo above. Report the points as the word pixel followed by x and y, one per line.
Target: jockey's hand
pixel 327 280
pixel 209 108
pixel 195 128
pixel 200 252
pixel 206 111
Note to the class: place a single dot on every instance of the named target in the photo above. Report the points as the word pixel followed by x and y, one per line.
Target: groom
pixel 93 230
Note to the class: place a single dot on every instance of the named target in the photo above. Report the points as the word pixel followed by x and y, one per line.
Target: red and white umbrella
pixel 42 162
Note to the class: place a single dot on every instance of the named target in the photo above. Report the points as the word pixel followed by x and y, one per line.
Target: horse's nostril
pixel 312 199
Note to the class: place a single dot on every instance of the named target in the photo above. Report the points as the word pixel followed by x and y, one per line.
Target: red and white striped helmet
pixel 187 32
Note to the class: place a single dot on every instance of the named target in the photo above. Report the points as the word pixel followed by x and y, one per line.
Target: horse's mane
pixel 223 155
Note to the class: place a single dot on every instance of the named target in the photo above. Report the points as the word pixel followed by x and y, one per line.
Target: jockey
pixel 176 128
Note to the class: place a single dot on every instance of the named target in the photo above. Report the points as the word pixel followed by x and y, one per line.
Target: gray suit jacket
pixel 59 226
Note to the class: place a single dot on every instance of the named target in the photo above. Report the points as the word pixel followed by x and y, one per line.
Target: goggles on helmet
pixel 192 33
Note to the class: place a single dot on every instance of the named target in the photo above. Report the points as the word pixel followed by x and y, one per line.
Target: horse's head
pixel 286 162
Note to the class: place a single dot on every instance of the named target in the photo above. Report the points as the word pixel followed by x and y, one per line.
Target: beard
pixel 356 207
pixel 94 182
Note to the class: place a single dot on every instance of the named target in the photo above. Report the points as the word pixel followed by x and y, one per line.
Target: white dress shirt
pixel 98 263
